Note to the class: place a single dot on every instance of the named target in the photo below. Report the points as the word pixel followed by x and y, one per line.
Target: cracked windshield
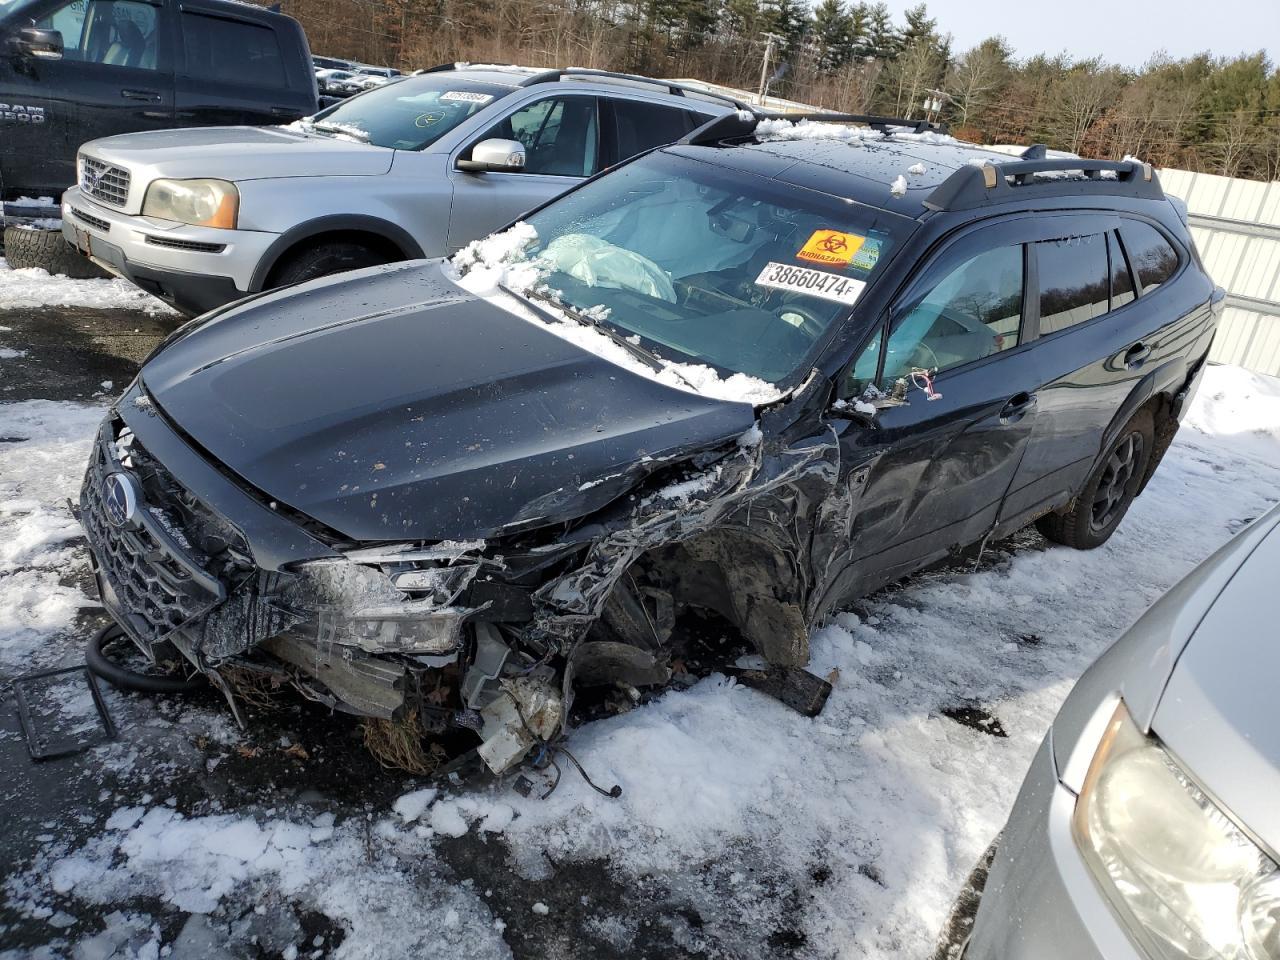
pixel 715 265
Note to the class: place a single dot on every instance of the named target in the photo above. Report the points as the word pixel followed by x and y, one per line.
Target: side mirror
pixel 36 42
pixel 494 155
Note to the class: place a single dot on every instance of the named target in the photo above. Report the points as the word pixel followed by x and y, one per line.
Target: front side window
pixel 1074 281
pixel 703 264
pixel 1153 259
pixel 560 136
pixel 119 33
pixel 409 114
pixel 231 51
pixel 971 313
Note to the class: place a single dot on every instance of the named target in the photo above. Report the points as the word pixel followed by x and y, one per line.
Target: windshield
pixel 409 114
pixel 723 268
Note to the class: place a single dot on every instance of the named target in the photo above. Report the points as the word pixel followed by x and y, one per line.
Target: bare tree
pixel 977 76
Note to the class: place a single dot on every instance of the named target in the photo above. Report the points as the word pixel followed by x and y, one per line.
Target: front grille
pixel 104 182
pixel 92 221
pixel 160 580
pixel 193 245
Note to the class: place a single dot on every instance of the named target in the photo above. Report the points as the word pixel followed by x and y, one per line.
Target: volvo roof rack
pixel 734 126
pixel 993 181
pixel 676 89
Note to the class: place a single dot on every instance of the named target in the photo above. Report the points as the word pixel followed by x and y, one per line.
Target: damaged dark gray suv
pixel 759 373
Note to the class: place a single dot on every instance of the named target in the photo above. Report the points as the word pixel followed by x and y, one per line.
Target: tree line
pixel 1211 113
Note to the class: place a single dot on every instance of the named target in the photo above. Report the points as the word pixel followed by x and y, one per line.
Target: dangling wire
pixel 547 752
pixel 924 380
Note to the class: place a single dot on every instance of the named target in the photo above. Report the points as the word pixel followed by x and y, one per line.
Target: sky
pixel 1121 31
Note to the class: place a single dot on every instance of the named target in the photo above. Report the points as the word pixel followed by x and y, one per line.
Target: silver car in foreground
pixel 417 167
pixel 1149 823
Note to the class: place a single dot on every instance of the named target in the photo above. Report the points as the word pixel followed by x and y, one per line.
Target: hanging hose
pixel 101 665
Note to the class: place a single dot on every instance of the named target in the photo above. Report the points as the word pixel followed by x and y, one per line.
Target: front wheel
pixel 1090 519
pixel 325 259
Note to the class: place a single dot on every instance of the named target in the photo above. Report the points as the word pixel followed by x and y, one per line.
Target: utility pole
pixel 770 40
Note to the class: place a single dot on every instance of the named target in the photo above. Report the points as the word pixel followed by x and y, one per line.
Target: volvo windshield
pixel 696 262
pixel 408 114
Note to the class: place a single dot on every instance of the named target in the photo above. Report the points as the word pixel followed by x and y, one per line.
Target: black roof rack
pixel 675 89
pixel 733 126
pixel 993 181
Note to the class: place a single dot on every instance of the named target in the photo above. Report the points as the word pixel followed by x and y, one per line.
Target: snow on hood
pixel 496 267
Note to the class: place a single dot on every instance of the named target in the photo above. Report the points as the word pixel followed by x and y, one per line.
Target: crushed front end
pixel 491 637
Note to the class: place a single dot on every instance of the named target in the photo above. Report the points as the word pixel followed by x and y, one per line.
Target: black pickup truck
pixel 75 70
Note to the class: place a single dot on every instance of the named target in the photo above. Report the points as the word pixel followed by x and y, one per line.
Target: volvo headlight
pixel 202 203
pixel 1169 859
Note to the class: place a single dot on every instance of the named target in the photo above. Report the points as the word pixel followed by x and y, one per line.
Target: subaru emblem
pixel 120 498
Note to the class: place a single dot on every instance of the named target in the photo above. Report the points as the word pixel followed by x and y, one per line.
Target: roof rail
pixel 675 89
pixel 883 124
pixel 457 65
pixel 992 182
pixel 734 126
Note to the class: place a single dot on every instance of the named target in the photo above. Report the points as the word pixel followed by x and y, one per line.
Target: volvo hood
pixel 1217 714
pixel 238 153
pixel 392 405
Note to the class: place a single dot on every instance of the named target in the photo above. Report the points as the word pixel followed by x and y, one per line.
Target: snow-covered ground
pixel 850 833
pixel 33 287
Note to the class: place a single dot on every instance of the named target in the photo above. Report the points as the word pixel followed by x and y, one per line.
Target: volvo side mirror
pixel 495 156
pixel 37 42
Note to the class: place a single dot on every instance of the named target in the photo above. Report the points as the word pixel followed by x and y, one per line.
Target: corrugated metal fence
pixel 1236 224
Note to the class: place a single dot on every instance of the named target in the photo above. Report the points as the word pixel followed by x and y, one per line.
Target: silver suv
pixel 416 168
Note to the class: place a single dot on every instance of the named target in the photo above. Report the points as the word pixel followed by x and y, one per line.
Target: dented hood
pixel 390 404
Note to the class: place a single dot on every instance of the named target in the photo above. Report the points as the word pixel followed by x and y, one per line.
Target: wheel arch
pixel 346 226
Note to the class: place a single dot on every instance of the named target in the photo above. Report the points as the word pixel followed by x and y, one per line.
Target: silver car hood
pixel 1218 714
pixel 234 153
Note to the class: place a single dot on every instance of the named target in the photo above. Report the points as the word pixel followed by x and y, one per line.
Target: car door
pixel 1095 342
pixel 960 386
pixel 561 137
pixel 113 74
pixel 234 71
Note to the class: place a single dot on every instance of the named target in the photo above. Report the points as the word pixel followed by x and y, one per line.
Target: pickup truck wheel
pixel 1090 519
pixel 37 247
pixel 324 259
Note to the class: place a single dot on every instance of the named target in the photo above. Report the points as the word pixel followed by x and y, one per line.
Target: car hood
pixel 1217 714
pixel 239 153
pixel 390 404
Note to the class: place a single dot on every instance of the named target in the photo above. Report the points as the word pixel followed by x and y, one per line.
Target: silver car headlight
pixel 202 203
pixel 1167 857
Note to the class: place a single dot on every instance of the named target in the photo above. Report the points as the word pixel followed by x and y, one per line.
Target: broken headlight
pixel 381 609
pixel 1190 882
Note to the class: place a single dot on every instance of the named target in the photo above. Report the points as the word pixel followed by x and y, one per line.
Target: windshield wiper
pixel 595 323
pixel 355 133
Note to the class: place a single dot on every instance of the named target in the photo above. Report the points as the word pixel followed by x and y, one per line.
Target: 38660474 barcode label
pixel 816 283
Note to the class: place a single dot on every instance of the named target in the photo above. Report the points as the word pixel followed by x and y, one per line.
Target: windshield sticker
pixel 466 96
pixel 868 255
pixel 830 247
pixel 427 119
pixel 815 283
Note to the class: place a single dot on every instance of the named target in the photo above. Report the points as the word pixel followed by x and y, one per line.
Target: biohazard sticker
pixel 816 283
pixel 466 96
pixel 831 248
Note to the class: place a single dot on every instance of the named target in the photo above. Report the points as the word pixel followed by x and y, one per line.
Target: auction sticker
pixel 466 96
pixel 830 247
pixel 816 283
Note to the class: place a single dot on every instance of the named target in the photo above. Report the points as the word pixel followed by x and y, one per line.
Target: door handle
pixel 1019 405
pixel 150 96
pixel 1134 356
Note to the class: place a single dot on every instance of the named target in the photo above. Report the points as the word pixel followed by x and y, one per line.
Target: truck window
pixel 231 50
pixel 120 33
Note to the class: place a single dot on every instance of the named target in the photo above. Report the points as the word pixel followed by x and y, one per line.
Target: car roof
pixel 861 167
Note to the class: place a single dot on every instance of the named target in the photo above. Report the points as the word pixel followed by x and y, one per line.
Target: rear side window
pixel 230 50
pixel 1121 279
pixel 1074 281
pixel 643 126
pixel 1152 257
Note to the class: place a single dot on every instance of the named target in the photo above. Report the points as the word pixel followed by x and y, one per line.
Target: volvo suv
pixel 417 167
pixel 750 376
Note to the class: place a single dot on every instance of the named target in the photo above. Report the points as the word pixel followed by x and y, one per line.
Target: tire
pixel 324 259
pixel 31 247
pixel 1090 519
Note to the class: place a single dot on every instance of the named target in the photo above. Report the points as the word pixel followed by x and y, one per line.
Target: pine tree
pixel 882 40
pixel 832 31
